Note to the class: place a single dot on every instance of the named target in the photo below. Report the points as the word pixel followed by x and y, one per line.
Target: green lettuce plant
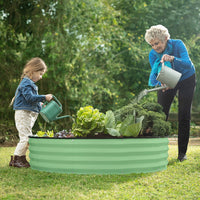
pixel 88 122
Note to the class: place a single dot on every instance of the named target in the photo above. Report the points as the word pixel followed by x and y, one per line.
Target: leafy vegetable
pixel 131 127
pixel 50 133
pixel 110 124
pixel 41 133
pixel 88 121
pixel 154 118
pixel 45 134
pixel 113 132
pixel 152 106
pixel 161 127
pixel 110 120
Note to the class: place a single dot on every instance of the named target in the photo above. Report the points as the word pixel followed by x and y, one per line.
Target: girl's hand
pixel 48 97
pixel 167 57
pixel 42 104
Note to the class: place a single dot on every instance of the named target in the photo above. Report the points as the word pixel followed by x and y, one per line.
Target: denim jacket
pixel 26 96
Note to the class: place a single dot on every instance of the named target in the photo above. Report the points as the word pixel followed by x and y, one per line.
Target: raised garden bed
pixel 98 156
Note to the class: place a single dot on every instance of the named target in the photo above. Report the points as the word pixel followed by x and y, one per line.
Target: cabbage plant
pixel 129 127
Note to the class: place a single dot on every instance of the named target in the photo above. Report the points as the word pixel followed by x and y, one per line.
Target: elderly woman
pixel 173 54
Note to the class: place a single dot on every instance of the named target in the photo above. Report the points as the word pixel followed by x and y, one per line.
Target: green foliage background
pixel 95 50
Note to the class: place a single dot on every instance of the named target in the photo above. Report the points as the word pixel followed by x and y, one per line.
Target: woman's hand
pixel 167 88
pixel 167 57
pixel 48 97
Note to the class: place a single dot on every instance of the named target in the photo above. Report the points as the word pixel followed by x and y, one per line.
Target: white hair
pixel 156 32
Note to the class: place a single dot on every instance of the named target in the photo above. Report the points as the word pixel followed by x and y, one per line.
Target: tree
pixel 180 17
pixel 95 50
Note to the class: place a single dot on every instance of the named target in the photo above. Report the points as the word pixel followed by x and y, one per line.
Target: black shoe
pixel 182 157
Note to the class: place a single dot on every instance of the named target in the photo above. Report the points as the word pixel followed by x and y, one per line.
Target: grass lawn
pixel 179 181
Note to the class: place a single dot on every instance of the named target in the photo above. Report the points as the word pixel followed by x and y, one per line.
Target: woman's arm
pixel 181 57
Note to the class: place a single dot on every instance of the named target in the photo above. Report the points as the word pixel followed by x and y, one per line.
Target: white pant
pixel 24 121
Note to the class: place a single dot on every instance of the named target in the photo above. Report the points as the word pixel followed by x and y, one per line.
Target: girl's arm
pixel 28 94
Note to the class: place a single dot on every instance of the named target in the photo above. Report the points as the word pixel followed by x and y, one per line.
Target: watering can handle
pixel 57 101
pixel 163 67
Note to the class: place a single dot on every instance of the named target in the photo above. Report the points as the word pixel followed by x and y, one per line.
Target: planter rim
pixel 96 138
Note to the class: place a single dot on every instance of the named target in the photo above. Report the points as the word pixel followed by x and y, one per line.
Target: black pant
pixel 185 90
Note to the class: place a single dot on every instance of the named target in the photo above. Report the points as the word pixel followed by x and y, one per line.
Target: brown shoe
pixel 25 161
pixel 11 163
pixel 18 162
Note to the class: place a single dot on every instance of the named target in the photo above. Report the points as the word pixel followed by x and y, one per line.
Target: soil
pixel 172 140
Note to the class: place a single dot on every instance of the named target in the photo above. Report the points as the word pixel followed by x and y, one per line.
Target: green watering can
pixel 51 110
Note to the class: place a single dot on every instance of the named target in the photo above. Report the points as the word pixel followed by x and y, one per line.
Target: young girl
pixel 27 105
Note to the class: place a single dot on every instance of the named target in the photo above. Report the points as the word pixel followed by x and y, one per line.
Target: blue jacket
pixel 26 96
pixel 181 63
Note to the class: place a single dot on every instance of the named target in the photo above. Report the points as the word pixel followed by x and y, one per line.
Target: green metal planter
pixel 99 156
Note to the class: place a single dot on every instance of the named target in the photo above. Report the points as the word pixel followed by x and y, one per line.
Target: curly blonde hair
pixel 157 32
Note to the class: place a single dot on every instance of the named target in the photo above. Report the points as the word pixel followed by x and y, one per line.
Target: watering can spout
pixel 156 89
pixel 65 116
pixel 146 91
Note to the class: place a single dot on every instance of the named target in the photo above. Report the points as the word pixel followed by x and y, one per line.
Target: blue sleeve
pixel 181 57
pixel 153 74
pixel 28 94
pixel 152 58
